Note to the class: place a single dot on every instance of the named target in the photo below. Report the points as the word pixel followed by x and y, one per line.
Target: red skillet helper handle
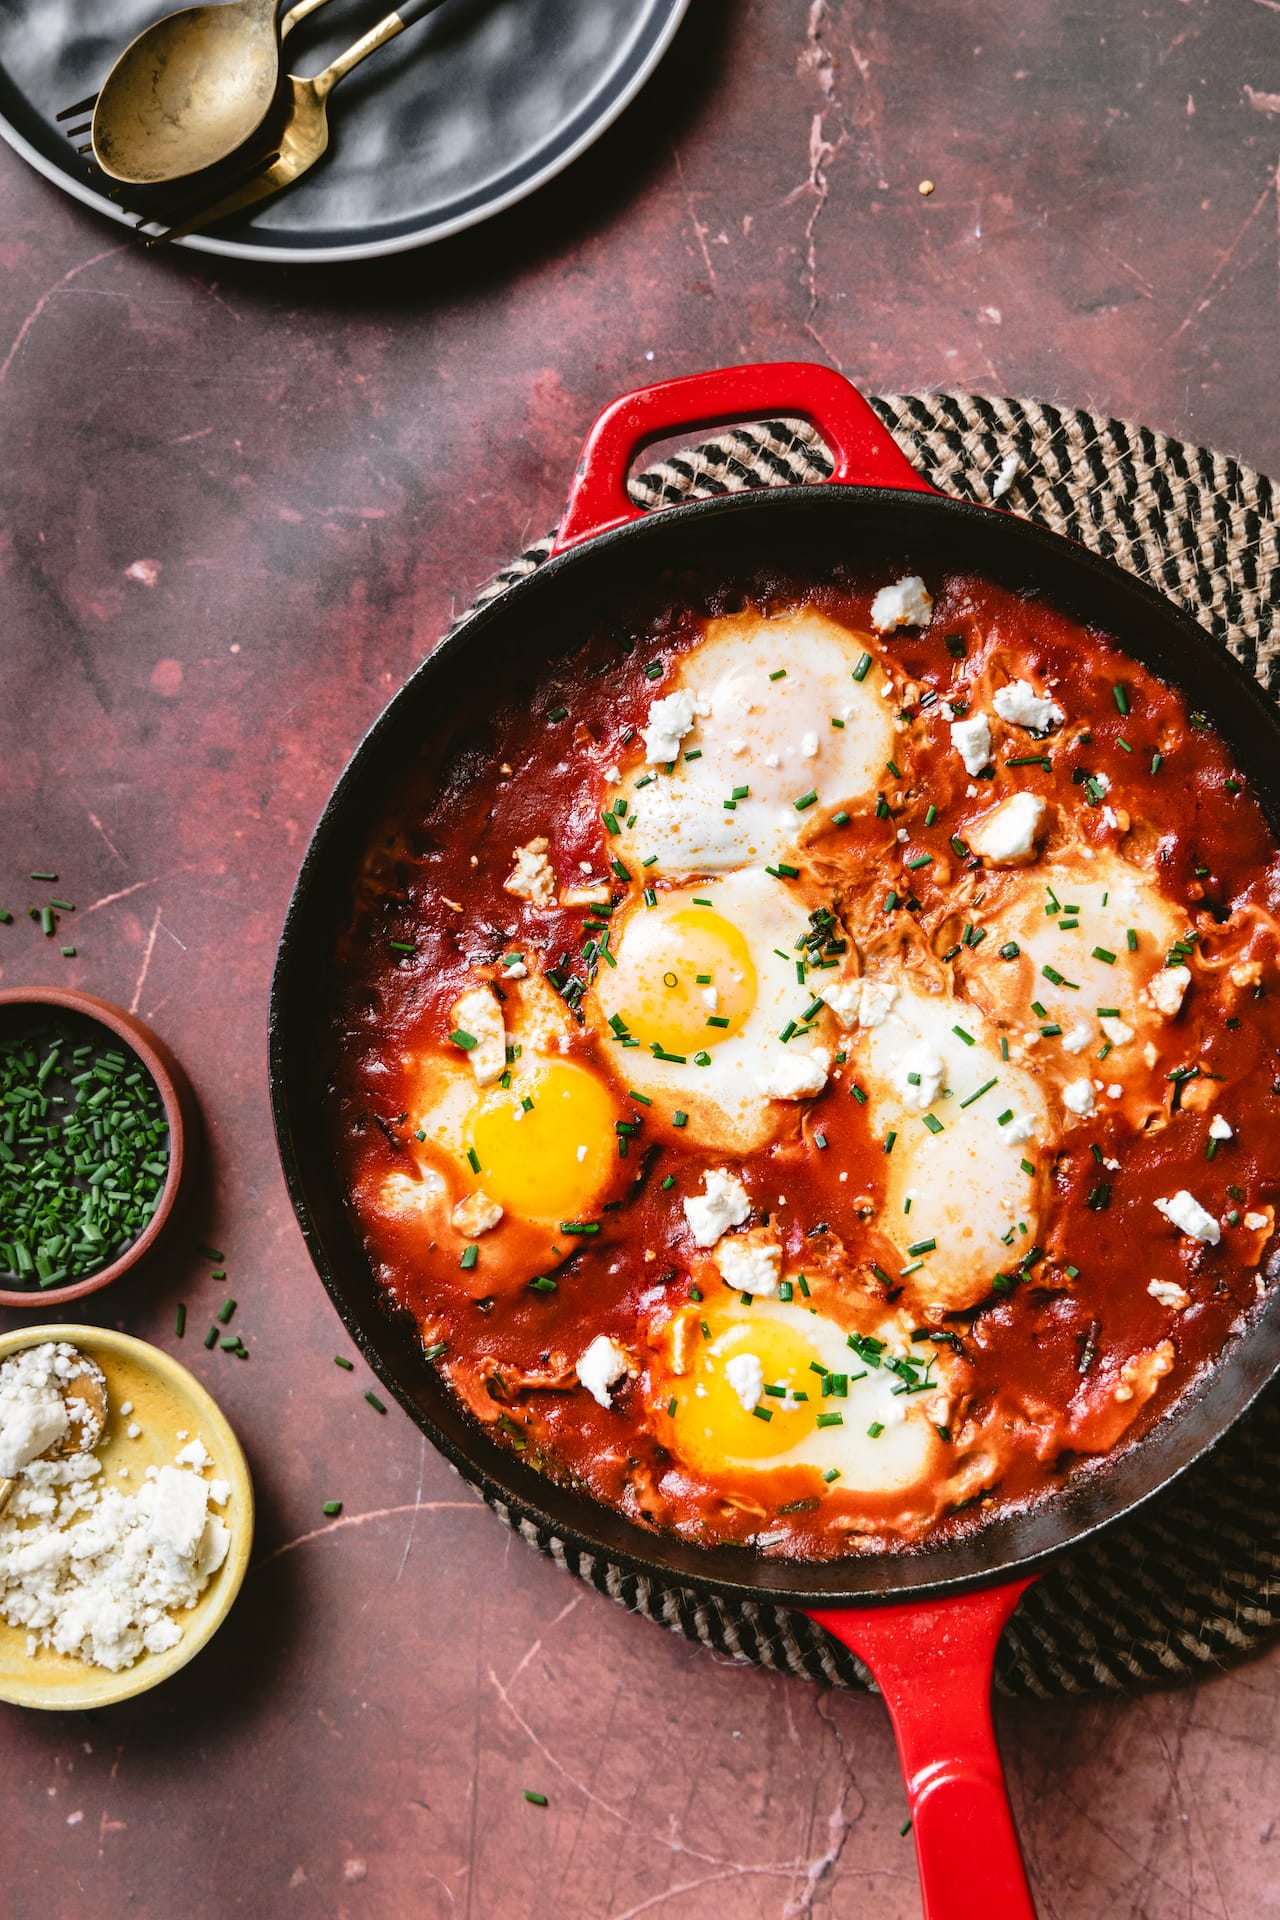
pixel 865 452
pixel 933 1660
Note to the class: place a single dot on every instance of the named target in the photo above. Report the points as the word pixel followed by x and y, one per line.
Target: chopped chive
pixel 921 1246
pixel 643 1098
pixel 891 767
pixel 717 1019
pixel 473 1159
pixel 1121 698
pixel 921 860
pixel 933 1123
pixel 966 1037
pixel 467 1041
pixel 875 1429
pixel 180 1320
pixel 780 674
pixel 375 1403
pixel 694 753
pixel 829 1420
pixel 984 1088
pixel 806 800
pixel 1101 953
pixel 543 1283
pixel 1010 950
pixel 558 713
pixel 860 671
pixel 679 1119
pixel 469 1257
pixel 781 872
pixel 1157 761
pixel 889 1139
pixel 832 1473
pixel 1026 1166
pixel 930 815
pixel 226 1310
pixel 761 1413
pixel 331 1509
pixel 340 1360
pixel 840 819
pixel 44 876
pixel 211 1338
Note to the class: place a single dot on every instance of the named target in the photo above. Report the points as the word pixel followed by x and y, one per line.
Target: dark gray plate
pixel 462 116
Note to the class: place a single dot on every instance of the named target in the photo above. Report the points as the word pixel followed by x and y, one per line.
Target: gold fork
pixel 302 139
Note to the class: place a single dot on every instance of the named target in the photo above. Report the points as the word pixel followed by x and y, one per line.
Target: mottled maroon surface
pixel 239 506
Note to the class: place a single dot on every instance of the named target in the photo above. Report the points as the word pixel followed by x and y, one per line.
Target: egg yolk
pixel 545 1145
pixel 710 1422
pixel 684 978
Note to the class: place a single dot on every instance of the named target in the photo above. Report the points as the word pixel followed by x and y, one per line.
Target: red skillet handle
pixel 865 452
pixel 933 1661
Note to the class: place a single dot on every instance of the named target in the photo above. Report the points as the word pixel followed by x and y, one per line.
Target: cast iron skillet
pixel 926 1622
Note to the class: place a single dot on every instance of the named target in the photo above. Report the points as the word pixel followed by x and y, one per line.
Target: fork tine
pixel 76 133
pixel 81 106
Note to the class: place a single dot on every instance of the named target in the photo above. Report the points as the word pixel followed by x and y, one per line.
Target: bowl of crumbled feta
pixel 119 1563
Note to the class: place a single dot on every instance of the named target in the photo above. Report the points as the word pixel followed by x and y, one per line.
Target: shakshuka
pixel 809 1064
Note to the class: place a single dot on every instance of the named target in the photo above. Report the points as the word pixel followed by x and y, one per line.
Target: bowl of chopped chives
pixel 97 1128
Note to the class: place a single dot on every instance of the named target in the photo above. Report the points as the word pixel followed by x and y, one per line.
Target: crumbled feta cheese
pixel 1102 782
pixel 669 720
pixel 745 1375
pixel 96 1573
pixel 477 1015
pixel 1078 1098
pixel 1220 1129
pixel 1185 1212
pixel 133 1430
pixel 1008 835
pixel 809 746
pixel 475 1214
pixel 1077 1037
pixel 1166 989
pixel 750 1263
pixel 722 1205
pixel 795 1076
pixel 859 1003
pixel 1022 706
pixel 533 877
pixel 33 1416
pixel 1257 1221
pixel 513 967
pixel 1118 1032
pixel 971 739
pixel 1169 1294
pixel 582 1154
pixel 601 1367
pixel 1019 1130
pixel 1005 477
pixel 1115 1090
pixel 918 1075
pixel 711 999
pixel 907 603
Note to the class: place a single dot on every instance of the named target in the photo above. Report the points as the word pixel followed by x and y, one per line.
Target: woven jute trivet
pixel 1194 1581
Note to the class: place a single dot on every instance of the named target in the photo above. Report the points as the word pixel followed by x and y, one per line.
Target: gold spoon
pixel 190 89
pixel 85 1398
pixel 303 137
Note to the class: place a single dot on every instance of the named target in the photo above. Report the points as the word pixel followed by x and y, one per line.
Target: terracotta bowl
pixel 166 1400
pixel 179 1110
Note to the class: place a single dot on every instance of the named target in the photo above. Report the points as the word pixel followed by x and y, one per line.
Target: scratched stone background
pixel 238 505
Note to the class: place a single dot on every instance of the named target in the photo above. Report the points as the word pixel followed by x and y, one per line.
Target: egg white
pixel 968 1183
pixel 711 1431
pixel 772 735
pixel 725 1107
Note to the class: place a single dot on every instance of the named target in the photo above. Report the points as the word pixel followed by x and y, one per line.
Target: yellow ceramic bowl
pixel 166 1401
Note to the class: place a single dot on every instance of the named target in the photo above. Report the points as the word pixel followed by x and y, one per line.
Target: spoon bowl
pixel 190 90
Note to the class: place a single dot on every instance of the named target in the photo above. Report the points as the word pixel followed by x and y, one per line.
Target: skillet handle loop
pixel 932 1661
pixel 864 451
